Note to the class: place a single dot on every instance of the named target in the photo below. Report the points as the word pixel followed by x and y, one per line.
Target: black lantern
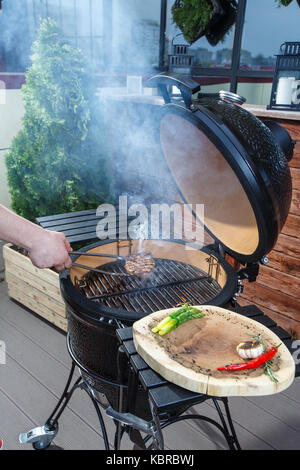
pixel 180 61
pixel 285 93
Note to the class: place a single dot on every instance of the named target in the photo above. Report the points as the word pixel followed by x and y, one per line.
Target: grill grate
pixel 170 282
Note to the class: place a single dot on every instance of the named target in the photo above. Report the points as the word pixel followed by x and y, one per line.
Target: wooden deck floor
pixel 36 371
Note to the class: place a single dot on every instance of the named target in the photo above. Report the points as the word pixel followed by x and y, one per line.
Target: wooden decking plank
pixel 12 419
pixel 247 439
pixel 37 402
pixel 47 371
pixel 183 437
pixel 265 426
pixel 47 337
pixel 280 406
pixel 293 392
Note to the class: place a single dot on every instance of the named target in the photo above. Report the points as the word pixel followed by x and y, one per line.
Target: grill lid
pixel 222 156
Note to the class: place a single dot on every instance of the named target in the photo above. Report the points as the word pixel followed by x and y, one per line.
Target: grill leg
pixel 158 438
pixel 41 437
pixel 100 417
pixel 133 383
pixel 122 364
pixel 228 414
pixel 232 439
pixel 63 397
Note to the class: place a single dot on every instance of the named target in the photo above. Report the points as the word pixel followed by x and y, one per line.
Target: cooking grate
pixel 170 282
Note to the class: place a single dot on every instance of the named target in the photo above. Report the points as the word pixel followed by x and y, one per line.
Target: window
pixel 113 34
pixel 121 37
pixel 266 27
pixel 246 57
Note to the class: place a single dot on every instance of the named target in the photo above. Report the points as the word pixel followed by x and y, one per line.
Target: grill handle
pixel 128 419
pixel 186 85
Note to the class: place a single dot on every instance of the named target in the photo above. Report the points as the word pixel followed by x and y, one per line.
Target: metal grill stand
pixel 167 403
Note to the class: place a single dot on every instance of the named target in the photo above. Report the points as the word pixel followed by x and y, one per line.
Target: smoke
pixel 119 39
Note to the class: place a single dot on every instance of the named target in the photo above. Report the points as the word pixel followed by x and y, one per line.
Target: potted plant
pixel 196 18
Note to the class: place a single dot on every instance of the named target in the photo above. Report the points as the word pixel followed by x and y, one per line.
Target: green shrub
pixel 57 162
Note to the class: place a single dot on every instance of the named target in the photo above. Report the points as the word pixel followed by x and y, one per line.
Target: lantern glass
pixel 286 83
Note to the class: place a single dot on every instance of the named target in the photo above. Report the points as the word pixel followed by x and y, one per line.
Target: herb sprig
pixel 269 370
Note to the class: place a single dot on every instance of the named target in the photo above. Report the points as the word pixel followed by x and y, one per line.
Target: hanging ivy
pixel 191 16
pixel 283 3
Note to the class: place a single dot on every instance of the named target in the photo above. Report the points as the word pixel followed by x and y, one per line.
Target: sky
pixel 266 28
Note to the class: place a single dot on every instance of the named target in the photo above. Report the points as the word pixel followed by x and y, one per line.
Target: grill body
pixel 95 313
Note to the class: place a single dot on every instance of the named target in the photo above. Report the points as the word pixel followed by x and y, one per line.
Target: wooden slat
pixel 295 204
pixel 12 418
pixel 279 281
pixel 288 245
pixel 292 127
pixel 77 222
pixel 91 237
pixel 295 172
pixel 58 307
pixel 38 308
pixel 76 231
pixel 284 263
pixel 292 226
pixel 15 272
pixel 267 426
pixel 278 301
pixel 286 323
pixel 295 162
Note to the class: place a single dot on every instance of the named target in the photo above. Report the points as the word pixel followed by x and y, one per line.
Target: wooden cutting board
pixel 190 355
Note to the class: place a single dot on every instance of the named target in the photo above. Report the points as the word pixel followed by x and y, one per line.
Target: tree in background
pixel 57 162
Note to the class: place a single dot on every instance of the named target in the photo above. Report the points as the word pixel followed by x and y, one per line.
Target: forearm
pixel 17 230
pixel 45 248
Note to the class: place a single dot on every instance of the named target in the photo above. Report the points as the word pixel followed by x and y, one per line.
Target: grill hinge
pixel 250 272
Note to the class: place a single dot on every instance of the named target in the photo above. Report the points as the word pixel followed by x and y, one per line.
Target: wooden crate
pixel 36 289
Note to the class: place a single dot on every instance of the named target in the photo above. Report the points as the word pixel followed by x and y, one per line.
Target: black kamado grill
pixel 219 155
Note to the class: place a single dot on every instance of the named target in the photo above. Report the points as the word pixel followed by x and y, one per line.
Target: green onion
pixel 175 319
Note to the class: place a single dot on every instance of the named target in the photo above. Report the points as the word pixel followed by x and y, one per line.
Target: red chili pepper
pixel 254 363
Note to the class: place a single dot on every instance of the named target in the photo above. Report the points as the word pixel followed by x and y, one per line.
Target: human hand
pixel 50 249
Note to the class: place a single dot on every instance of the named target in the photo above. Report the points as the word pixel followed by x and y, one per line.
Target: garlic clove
pixel 250 349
